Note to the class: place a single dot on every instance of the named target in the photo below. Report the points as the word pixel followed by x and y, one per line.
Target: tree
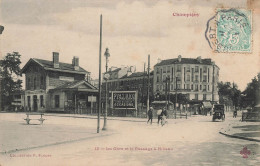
pixel 229 94
pixel 249 97
pixel 10 72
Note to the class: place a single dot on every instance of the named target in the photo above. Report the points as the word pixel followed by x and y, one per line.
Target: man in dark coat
pixel 150 115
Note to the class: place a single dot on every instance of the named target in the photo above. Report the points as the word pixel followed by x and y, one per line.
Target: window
pixel 178 86
pixel 200 87
pixel 158 78
pixel 178 68
pixel 172 75
pixel 204 69
pixel 157 70
pixel 163 87
pixel 196 96
pixel 164 69
pixel 196 68
pixel 179 77
pixel 204 78
pixel 192 74
pixel 168 69
pixel 204 87
pixel 188 86
pixel 41 101
pixel 42 82
pixel 27 83
pixel 157 87
pixel 208 74
pixel 200 75
pixel 164 77
pixel 188 68
pixel 171 86
pixel 184 86
pixel 30 83
pixel 57 101
pixel 34 83
pixel 208 87
pixel 196 78
pixel 204 97
pixel 196 87
pixel 188 77
pixel 191 86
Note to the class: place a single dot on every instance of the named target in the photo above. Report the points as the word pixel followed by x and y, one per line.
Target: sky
pixel 132 30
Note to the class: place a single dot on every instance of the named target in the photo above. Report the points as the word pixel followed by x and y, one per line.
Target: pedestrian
pixel 150 115
pixel 235 113
pixel 163 116
pixel 159 112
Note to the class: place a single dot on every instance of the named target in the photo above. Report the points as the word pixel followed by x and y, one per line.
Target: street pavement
pixel 73 140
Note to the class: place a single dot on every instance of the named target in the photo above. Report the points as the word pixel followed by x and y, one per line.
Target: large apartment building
pixel 197 78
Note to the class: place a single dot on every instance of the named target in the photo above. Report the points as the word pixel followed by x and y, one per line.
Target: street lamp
pixel 106 77
pixel 167 91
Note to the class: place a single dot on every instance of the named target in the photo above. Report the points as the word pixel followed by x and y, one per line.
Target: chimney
pixel 55 60
pixel 199 59
pixel 179 58
pixel 159 60
pixel 75 62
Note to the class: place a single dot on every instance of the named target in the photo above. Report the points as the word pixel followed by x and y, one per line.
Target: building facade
pixel 129 81
pixel 56 86
pixel 195 78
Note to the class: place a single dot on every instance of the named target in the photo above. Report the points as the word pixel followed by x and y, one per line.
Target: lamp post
pixel 167 91
pixel 106 76
pixel 176 96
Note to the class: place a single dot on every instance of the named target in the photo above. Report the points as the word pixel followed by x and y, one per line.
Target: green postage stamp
pixel 230 30
pixel 234 30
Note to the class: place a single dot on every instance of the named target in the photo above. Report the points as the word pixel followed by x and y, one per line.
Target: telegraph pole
pixel 176 96
pixel 99 86
pixel 148 86
pixel 143 90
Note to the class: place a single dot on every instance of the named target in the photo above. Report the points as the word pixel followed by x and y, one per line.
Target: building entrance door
pixel 35 106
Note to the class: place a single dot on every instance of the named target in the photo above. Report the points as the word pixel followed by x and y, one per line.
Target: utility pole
pixel 143 90
pixel 99 86
pixel 148 86
pixel 213 83
pixel 176 96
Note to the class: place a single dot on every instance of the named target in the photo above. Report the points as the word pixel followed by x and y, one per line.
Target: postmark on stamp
pixel 230 30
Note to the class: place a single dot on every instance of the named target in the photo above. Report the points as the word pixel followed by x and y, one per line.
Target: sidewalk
pixel 16 135
pixel 242 130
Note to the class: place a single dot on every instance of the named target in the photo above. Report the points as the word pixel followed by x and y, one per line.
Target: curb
pixel 88 117
pixel 238 137
pixel 96 118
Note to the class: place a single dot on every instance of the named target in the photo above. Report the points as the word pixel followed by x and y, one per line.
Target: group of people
pixel 161 113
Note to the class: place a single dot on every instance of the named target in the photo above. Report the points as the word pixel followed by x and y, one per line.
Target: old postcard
pixel 136 82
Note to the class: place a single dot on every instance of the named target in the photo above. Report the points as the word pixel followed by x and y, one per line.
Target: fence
pixel 251 116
